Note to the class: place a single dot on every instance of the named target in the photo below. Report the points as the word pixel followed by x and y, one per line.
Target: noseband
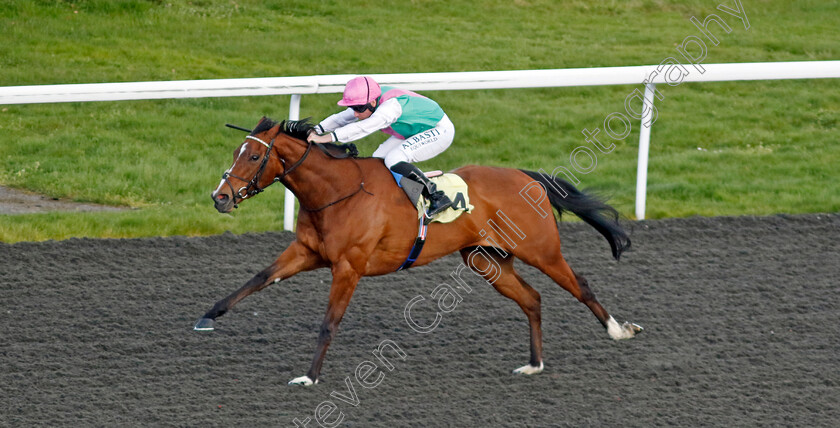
pixel 253 187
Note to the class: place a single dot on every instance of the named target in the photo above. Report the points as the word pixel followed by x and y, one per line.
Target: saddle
pixel 454 186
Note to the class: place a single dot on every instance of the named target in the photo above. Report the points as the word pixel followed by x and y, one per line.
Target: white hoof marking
pixel 625 331
pixel 303 381
pixel 529 369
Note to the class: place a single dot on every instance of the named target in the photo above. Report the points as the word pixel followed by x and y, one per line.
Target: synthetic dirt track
pixel 741 319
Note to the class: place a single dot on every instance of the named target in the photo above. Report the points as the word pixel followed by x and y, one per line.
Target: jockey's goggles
pixel 362 108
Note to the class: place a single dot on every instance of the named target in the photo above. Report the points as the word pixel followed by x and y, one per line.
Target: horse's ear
pixel 263 125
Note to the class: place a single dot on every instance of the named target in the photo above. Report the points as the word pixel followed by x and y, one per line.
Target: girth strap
pixel 418 244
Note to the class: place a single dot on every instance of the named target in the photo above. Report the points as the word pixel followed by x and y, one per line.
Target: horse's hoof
pixel 529 369
pixel 303 381
pixel 204 324
pixel 635 328
pixel 627 330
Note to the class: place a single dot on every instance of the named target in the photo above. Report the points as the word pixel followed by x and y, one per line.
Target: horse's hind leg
pixel 577 285
pixel 617 331
pixel 500 273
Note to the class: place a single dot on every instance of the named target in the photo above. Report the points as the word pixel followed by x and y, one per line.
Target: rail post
pixel 289 201
pixel 644 150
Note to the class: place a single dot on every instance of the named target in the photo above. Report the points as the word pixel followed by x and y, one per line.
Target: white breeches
pixel 419 147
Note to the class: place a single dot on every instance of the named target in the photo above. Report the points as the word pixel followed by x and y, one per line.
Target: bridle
pixel 253 187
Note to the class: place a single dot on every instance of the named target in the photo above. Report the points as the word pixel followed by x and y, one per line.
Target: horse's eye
pixel 255 157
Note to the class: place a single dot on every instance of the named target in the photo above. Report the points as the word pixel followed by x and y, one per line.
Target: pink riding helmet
pixel 360 91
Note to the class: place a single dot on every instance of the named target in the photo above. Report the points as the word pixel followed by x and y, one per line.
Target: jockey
pixel 419 130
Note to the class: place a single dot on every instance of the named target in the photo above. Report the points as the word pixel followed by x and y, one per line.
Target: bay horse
pixel 355 220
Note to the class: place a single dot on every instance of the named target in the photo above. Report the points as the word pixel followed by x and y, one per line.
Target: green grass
pixel 764 147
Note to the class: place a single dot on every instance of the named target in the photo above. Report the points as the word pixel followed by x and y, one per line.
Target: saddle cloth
pixel 454 186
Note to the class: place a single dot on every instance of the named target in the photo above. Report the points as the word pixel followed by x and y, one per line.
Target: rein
pixel 361 184
pixel 253 187
pixel 361 187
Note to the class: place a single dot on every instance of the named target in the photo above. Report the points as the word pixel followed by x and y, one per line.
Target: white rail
pixel 326 84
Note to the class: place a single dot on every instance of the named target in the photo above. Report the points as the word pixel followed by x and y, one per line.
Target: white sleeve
pixel 336 121
pixel 383 117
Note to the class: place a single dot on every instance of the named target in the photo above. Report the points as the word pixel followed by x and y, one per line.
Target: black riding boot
pixel 438 201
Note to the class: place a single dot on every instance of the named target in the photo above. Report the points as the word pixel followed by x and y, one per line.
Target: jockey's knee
pixel 394 157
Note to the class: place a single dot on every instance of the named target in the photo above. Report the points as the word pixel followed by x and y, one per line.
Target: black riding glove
pixel 350 148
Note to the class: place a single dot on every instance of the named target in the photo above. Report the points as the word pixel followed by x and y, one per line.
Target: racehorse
pixel 356 220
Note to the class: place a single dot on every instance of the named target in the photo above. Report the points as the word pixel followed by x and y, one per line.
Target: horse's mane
pixel 300 129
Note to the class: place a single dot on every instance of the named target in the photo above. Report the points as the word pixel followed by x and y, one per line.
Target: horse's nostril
pixel 221 197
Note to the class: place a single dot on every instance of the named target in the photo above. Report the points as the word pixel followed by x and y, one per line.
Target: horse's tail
pixel 591 209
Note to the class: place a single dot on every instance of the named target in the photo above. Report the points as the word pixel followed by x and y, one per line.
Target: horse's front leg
pixel 344 283
pixel 297 258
